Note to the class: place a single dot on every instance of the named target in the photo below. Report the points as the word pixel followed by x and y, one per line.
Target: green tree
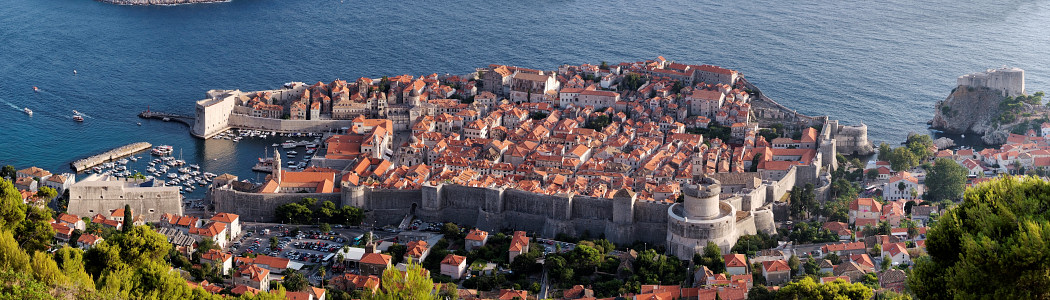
pixel 8 172
pixel 129 220
pixel 793 263
pixel 349 215
pixel 46 192
pixel 946 181
pixel 274 242
pixel 326 212
pixel 872 174
pixel 452 231
pixel 992 245
pixel 711 258
pixel 903 159
pixel 410 285
pixel 834 258
pixel 34 232
pixel 295 213
pixel 12 209
pixel 294 281
pixel 324 227
pixel 807 288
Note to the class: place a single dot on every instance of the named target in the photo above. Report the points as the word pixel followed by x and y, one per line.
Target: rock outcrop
pixel 976 111
pixel 158 2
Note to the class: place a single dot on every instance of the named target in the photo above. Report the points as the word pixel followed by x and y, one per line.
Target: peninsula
pixel 609 149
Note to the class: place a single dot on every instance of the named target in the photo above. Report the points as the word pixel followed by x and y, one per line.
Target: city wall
pixel 280 125
pixel 256 207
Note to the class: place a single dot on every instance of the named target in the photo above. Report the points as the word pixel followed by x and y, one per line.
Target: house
pixel 867 210
pixel 72 221
pixel 973 167
pixel 577 292
pixel 475 239
pixel 896 253
pixel 901 186
pixel 519 244
pixel 310 293
pixel 62 232
pixel 26 184
pixel 453 266
pixel 736 264
pixel 233 224
pixel 893 279
pixel 512 294
pixel 215 231
pixel 374 264
pixel 922 213
pixel 842 249
pixel 33 173
pixel 219 259
pixel 253 276
pixel 87 240
pixel 417 251
pixel 59 182
pixel 776 272
pixel 850 269
pixel 244 289
pixel 840 229
pixel 273 264
pixel 350 282
pixel 826 266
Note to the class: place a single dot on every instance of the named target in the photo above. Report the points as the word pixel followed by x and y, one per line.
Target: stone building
pixel 1009 81
pixel 703 218
pixel 102 194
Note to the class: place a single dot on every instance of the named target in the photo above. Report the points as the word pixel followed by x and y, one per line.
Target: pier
pixel 166 117
pixel 86 163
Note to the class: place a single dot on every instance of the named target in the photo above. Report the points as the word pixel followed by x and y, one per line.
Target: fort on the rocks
pixel 652 151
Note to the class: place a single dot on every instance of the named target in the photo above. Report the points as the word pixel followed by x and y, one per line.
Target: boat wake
pixel 11 105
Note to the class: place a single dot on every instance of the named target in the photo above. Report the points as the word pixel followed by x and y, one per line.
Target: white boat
pixel 288 145
pixel 172 175
pixel 162 150
pixel 28 111
pixel 195 166
pixel 133 158
pixel 123 161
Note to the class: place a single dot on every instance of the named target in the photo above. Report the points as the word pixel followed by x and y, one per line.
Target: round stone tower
pixel 700 219
pixel 701 201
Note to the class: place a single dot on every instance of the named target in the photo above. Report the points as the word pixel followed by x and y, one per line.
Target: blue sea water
pixel 883 63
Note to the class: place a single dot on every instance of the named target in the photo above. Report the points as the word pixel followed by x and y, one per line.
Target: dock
pixel 167 117
pixel 117 153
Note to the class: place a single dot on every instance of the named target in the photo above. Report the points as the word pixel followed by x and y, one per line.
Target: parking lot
pixel 309 246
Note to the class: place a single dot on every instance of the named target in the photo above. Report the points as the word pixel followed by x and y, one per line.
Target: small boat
pixel 75 112
pixel 172 175
pixel 140 124
pixel 78 118
pixel 74 71
pixel 28 111
pixel 275 145
pixel 36 89
pixel 123 161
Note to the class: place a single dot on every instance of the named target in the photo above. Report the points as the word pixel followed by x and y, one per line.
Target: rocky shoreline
pixel 158 2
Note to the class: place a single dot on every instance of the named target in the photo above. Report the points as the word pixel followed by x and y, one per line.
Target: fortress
pixel 1009 81
pixel 719 209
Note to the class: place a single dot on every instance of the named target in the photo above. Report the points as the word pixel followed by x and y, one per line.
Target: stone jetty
pixel 122 151
pixel 158 2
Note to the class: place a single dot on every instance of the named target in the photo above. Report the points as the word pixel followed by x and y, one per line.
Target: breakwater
pixel 158 2
pixel 91 161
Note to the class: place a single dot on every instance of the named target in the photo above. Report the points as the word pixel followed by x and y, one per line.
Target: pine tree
pixel 129 220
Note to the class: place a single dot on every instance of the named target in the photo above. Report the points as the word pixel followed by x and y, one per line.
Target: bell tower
pixel 276 170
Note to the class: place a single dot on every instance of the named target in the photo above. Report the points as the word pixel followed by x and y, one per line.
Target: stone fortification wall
pixel 776 189
pixel 1008 81
pixel 279 125
pixel 764 220
pixel 745 226
pixel 256 207
pixel 851 140
pixel 150 203
pixel 388 207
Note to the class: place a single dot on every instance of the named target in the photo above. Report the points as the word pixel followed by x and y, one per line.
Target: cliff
pixel 158 2
pixel 984 112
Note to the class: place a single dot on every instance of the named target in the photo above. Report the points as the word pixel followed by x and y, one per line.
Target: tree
pixel 872 174
pixel 324 227
pixel 711 258
pixel 274 242
pixel 946 181
pixel 902 159
pixel 807 288
pixel 349 215
pixel 12 209
pixel 46 192
pixel 295 213
pixel 294 281
pixel 810 266
pixel 834 258
pixel 451 230
pixel 992 245
pixel 410 285
pixel 129 220
pixel 8 172
pixel 793 264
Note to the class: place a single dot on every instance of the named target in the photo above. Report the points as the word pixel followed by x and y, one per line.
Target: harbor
pixel 81 165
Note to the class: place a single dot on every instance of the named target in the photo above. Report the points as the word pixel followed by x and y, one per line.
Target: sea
pixel 881 63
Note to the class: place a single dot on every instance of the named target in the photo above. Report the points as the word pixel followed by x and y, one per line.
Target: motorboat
pixel 28 111
pixel 78 118
pixel 36 89
pixel 162 150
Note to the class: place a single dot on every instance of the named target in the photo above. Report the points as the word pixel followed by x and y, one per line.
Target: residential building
pixel 374 264
pixel 776 272
pixel 476 238
pixel 453 266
